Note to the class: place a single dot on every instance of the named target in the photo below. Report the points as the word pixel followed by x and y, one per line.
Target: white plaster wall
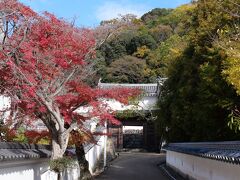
pixel 4 105
pixel 39 169
pixel 146 103
pixel 201 168
pixel 33 170
pixel 93 155
pixel 29 171
pixel 4 102
pixel 125 128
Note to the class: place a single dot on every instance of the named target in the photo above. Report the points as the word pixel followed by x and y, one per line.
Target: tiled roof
pixel 19 151
pixel 222 151
pixel 13 151
pixel 148 89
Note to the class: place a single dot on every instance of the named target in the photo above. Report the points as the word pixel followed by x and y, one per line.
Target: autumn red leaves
pixel 41 60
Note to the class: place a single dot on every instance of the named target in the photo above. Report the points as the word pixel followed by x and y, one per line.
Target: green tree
pixel 142 52
pixel 179 19
pixel 161 32
pixel 159 61
pixel 127 69
pixel 139 41
pixel 196 100
pixel 112 50
pixel 152 17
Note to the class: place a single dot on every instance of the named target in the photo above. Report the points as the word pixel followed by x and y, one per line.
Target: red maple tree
pixel 41 63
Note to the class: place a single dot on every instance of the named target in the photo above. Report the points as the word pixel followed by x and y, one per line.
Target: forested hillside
pixel 142 51
pixel 196 46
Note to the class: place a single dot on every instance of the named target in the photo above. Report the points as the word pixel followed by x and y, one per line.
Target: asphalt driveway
pixel 135 166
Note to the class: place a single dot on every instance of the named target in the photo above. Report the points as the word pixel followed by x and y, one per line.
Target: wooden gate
pixel 132 139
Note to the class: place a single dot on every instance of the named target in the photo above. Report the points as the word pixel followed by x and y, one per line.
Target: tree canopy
pixel 43 64
pixel 198 101
pixel 196 46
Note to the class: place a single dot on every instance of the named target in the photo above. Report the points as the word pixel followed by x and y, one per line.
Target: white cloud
pixel 112 9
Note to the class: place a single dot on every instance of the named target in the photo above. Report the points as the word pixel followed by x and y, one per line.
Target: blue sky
pixel 89 13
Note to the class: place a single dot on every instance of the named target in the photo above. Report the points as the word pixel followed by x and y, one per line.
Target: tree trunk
pixel 59 176
pixel 59 146
pixel 83 163
pixel 57 149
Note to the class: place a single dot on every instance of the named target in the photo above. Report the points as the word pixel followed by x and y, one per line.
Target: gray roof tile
pixel 13 151
pixel 222 151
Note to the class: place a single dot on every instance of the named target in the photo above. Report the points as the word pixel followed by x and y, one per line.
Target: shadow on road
pixel 135 166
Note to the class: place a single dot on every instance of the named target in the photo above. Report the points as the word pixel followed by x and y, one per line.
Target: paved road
pixel 135 166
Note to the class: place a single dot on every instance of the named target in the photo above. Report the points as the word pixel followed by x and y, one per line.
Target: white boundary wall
pixel 38 169
pixel 94 154
pixel 195 167
pixel 28 170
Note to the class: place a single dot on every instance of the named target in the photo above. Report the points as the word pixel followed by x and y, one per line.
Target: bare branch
pixel 72 127
pixel 63 83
